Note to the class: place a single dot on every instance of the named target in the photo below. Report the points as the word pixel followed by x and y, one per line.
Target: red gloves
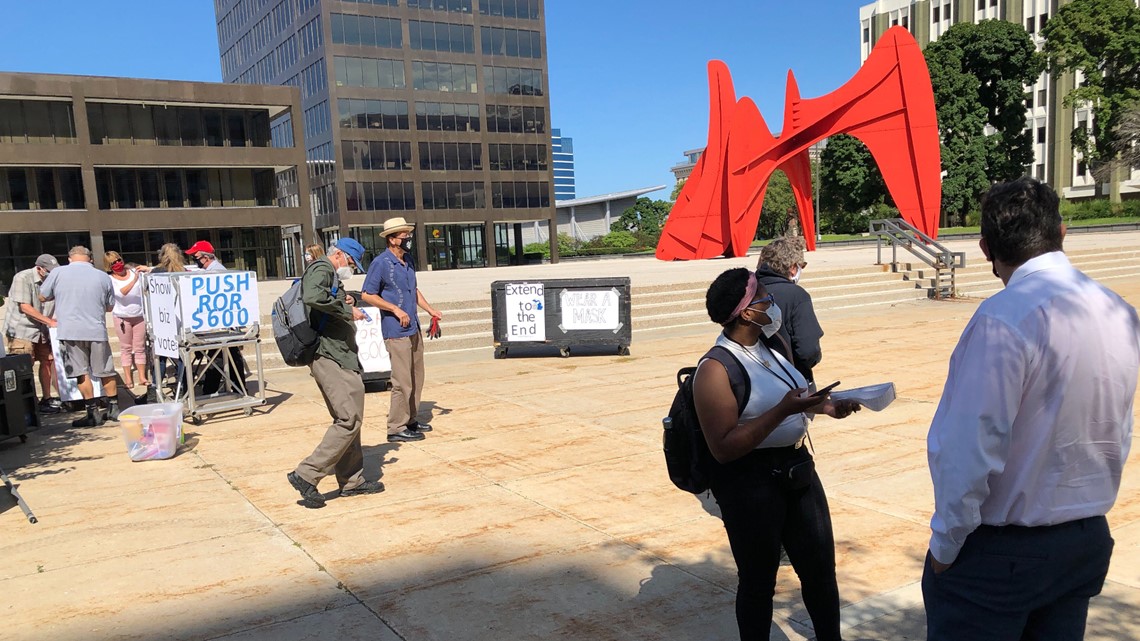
pixel 433 330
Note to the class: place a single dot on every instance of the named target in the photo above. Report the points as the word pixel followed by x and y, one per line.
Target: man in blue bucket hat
pixel 336 369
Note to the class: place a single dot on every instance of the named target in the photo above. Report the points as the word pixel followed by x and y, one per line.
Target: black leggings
pixel 760 513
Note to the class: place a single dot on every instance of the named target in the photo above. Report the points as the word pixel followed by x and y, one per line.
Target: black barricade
pixel 568 313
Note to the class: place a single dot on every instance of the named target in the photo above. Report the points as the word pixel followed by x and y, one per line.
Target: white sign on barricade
pixel 590 309
pixel 370 343
pixel 163 314
pixel 525 312
pixel 218 300
pixel 69 387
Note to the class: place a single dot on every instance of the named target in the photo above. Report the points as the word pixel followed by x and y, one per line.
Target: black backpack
pixel 687 455
pixel 296 338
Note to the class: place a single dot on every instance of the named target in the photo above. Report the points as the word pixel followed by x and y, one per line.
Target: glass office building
pixel 433 110
pixel 563 165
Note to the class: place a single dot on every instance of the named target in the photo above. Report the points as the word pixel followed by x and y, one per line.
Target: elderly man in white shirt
pixel 1028 442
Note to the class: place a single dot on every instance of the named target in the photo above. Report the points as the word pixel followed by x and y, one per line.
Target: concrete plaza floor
pixel 539 508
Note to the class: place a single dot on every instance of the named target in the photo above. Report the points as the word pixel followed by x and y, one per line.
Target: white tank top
pixel 772 377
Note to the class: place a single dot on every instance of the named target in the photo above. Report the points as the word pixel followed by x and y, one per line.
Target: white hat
pixel 395 226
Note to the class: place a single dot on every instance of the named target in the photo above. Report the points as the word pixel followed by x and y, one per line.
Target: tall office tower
pixel 1050 122
pixel 434 110
pixel 563 165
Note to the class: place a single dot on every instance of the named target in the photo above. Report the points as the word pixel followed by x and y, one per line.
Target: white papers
pixel 873 397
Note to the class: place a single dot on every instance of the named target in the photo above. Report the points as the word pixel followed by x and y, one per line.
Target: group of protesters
pixel 73 299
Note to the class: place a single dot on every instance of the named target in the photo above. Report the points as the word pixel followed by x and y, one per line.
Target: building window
pixel 18 251
pixel 376 155
pixel 366 31
pixel 1029 100
pixel 981 5
pixel 441 36
pixel 176 188
pixel 317 119
pixel 1041 98
pixel 516 195
pixel 382 3
pixel 512 81
pixel 1041 20
pixel 450 6
pixel 444 116
pixel 1041 134
pixel 514 119
pixel 119 124
pixel 442 76
pixel 518 43
pixel 36 121
pixel 380 196
pixel 24 188
pixel 313 79
pixel 369 72
pixel 454 195
pixel 516 157
pixel 867 32
pixel 451 156
pixel 357 113
pixel 993 3
pixel 1031 24
pixel 1040 173
pixel 311 37
pixel 1082 168
pixel 523 9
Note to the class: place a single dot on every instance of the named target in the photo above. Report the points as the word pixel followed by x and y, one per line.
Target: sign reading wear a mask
pixel 218 300
pixel 590 309
pixel 525 312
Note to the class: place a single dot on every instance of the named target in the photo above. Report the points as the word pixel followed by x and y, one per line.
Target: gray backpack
pixel 297 339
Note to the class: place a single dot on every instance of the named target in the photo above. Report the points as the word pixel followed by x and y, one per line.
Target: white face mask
pixel 799 272
pixel 344 273
pixel 775 317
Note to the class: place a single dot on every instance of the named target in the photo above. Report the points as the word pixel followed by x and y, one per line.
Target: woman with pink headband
pixel 765 480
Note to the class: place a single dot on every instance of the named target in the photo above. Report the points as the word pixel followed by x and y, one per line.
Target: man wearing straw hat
pixel 391 286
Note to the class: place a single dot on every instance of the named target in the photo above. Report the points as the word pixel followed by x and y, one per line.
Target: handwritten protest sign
pixel 218 300
pixel 590 309
pixel 163 314
pixel 370 343
pixel 525 313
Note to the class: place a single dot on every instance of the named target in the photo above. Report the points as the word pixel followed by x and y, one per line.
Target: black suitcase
pixel 19 411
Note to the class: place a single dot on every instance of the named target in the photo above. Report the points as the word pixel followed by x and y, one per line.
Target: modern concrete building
pixel 128 165
pixel 682 170
pixel 1050 122
pixel 434 110
pixel 563 147
pixel 589 217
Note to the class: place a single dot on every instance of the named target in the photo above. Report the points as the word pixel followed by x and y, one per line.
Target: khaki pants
pixel 407 356
pixel 339 451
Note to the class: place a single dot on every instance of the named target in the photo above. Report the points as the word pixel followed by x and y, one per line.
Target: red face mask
pixel 118 267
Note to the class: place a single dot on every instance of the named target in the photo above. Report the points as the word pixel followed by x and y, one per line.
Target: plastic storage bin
pixel 152 432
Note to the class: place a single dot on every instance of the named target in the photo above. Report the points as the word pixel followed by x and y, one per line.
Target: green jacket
pixel 330 314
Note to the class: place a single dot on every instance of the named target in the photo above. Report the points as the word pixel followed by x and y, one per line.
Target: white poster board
pixel 68 387
pixel 370 343
pixel 163 314
pixel 590 309
pixel 217 300
pixel 525 312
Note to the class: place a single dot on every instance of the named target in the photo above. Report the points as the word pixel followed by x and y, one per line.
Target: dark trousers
pixel 1019 583
pixel 760 514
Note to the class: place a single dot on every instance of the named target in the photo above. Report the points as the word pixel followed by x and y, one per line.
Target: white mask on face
pixel 344 273
pixel 775 317
pixel 796 277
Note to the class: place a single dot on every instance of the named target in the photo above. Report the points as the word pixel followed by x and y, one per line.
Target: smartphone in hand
pixel 820 393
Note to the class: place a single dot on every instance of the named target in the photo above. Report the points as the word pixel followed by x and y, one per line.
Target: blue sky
pixel 627 77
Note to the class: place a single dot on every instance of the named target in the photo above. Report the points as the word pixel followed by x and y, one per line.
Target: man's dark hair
pixel 725 293
pixel 1021 220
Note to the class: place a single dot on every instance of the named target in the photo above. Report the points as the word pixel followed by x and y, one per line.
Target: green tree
pixel 646 216
pixel 979 72
pixel 850 184
pixel 1101 40
pixel 779 205
pixel 677 190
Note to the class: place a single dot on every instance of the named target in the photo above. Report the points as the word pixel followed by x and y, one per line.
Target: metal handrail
pixel 898 233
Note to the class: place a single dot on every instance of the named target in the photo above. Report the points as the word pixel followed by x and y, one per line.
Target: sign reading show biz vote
pixel 198 302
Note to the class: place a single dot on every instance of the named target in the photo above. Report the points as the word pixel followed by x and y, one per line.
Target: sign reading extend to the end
pixel 525 312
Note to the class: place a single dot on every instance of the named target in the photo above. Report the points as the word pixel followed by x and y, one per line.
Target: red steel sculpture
pixel 888 104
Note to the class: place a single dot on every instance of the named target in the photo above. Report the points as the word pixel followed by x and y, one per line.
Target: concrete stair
pixel 468 324
pixel 976 280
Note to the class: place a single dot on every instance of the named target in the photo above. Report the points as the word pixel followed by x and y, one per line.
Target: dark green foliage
pixel 1101 39
pixel 979 72
pixel 850 185
pixel 646 216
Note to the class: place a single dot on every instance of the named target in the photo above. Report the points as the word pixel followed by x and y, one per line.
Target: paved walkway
pixel 538 509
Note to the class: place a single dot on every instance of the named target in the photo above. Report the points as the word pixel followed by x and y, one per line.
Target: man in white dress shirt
pixel 1028 442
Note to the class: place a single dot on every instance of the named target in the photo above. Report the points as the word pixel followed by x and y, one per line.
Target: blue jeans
pixel 760 514
pixel 1019 583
